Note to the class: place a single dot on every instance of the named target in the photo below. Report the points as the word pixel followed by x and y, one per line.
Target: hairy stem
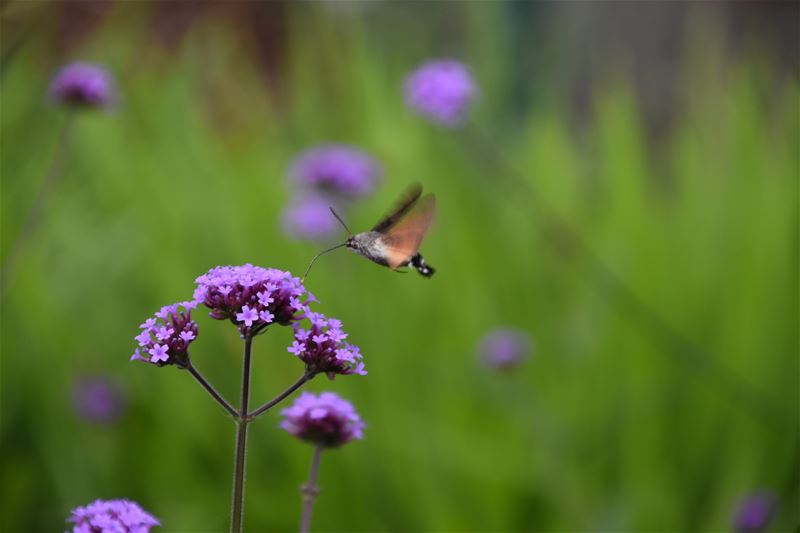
pixel 242 420
pixel 310 490
pixel 211 390
pixel 308 376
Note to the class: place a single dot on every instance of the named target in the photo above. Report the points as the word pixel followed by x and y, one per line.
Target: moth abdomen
pixel 422 267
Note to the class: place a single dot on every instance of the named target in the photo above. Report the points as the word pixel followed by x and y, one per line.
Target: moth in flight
pixel 394 241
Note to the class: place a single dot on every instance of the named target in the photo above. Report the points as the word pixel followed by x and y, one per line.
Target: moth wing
pixel 401 206
pixel 403 239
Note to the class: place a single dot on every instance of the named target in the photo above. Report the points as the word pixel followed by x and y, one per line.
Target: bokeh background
pixel 665 134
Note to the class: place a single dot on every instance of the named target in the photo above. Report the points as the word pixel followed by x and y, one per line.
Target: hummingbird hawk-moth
pixel 394 241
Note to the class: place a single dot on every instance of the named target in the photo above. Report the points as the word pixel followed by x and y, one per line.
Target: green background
pixel 609 426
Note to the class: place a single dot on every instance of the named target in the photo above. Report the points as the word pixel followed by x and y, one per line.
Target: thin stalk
pixel 49 183
pixel 211 390
pixel 310 490
pixel 308 376
pixel 242 420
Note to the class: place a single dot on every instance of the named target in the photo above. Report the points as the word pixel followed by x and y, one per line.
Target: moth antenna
pixel 323 252
pixel 340 220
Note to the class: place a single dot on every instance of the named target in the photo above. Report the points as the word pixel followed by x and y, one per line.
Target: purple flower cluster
pixel 326 419
pixel 442 91
pixel 97 399
pixel 252 297
pixel 336 170
pixel 309 217
pixel 83 85
pixel 504 348
pixel 112 516
pixel 165 338
pixel 323 349
pixel 328 175
pixel 755 512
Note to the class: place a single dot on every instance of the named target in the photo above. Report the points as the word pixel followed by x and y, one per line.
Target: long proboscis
pixel 323 252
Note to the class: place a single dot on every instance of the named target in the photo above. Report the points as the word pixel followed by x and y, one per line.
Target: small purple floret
pixel 442 91
pixel 755 512
pixel 83 85
pixel 322 348
pixel 504 348
pixel 252 297
pixel 112 516
pixel 165 339
pixel 326 419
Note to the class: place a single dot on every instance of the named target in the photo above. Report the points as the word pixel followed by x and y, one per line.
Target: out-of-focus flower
pixel 323 350
pixel 327 419
pixel 309 218
pixel 97 399
pixel 165 338
pixel 252 297
pixel 504 348
pixel 442 91
pixel 337 171
pixel 755 512
pixel 112 516
pixel 83 85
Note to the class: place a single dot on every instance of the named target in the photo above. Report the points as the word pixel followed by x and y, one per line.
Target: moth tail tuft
pixel 423 268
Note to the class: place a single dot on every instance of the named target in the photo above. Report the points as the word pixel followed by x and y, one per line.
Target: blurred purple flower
pixel 97 399
pixel 112 516
pixel 504 348
pixel 309 218
pixel 83 85
pixel 165 338
pixel 323 350
pixel 442 91
pixel 755 512
pixel 337 171
pixel 327 419
pixel 252 297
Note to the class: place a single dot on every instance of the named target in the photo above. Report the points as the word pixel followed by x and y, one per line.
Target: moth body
pixel 395 239
pixel 376 247
pixel 369 244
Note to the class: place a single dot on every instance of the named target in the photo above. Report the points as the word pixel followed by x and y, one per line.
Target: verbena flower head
pixel 112 516
pixel 310 218
pixel 326 419
pixel 755 512
pixel 165 337
pixel 335 170
pixel 504 348
pixel 323 348
pixel 83 85
pixel 252 297
pixel 442 91
pixel 97 399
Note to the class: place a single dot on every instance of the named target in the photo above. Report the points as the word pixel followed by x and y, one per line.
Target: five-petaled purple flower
pixel 83 85
pixel 166 337
pixel 98 399
pixel 336 171
pixel 755 512
pixel 112 516
pixel 323 349
pixel 504 348
pixel 309 217
pixel 327 419
pixel 252 297
pixel 442 91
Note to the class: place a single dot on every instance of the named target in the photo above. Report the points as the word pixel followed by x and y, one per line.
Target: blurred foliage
pixel 604 429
